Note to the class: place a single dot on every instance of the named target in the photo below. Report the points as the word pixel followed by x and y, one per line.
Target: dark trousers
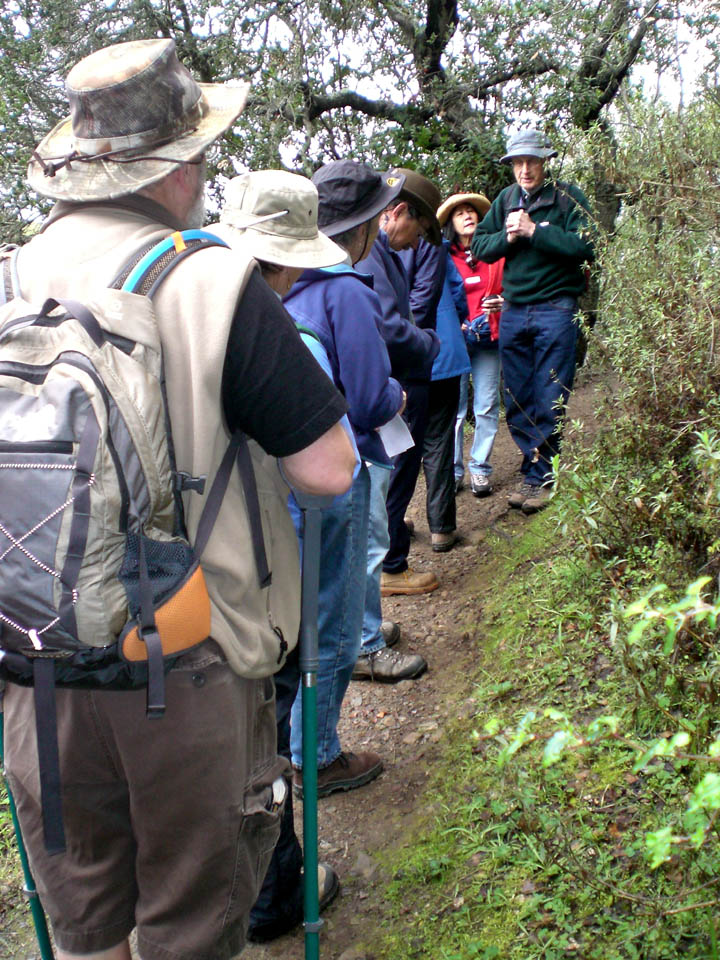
pixel 404 476
pixel 537 353
pixel 438 454
pixel 281 895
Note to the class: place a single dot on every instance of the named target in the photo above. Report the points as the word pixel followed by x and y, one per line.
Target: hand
pixel 493 303
pixel 518 224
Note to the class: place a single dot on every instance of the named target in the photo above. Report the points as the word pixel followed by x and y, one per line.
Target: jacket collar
pixel 135 203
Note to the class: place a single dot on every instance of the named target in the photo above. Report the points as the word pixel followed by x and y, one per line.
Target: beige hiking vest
pixel 82 252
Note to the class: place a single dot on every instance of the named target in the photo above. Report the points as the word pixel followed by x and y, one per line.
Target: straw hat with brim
pixel 273 214
pixel 136 114
pixel 351 193
pixel 528 143
pixel 422 194
pixel 478 201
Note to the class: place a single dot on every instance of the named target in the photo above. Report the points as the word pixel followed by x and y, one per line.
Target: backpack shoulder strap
pixel 150 265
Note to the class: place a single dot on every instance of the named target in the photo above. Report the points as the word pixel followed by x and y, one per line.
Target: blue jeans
pixel 341 601
pixel 377 547
pixel 485 366
pixel 537 351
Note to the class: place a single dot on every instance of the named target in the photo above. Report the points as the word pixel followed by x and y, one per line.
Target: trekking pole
pixel 30 891
pixel 311 508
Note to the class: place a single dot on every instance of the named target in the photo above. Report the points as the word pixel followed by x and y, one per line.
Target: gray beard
pixel 196 216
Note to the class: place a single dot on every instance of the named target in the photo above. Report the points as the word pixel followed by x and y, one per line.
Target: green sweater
pixel 550 263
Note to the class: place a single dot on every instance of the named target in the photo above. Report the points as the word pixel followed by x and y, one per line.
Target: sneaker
pixel 346 772
pixel 389 666
pixel 328 889
pixel 390 632
pixel 459 484
pixel 480 485
pixel 407 582
pixel 537 499
pixel 520 494
pixel 442 542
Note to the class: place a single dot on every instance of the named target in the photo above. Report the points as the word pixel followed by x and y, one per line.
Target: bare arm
pixel 324 467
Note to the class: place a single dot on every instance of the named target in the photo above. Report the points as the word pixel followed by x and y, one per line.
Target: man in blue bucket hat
pixel 542 227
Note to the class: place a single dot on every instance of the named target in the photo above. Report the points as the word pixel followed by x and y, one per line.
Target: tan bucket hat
pixel 275 214
pixel 136 114
pixel 477 200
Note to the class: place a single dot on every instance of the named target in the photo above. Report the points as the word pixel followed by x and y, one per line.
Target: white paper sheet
pixel 395 436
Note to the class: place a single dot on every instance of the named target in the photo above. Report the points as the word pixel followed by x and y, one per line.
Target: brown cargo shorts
pixel 169 822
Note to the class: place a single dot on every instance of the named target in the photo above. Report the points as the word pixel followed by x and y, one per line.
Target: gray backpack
pixel 99 586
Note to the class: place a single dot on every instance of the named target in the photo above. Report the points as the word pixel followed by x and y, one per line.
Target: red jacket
pixel 482 280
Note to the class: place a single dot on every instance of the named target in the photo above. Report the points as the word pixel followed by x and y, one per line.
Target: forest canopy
pixel 432 84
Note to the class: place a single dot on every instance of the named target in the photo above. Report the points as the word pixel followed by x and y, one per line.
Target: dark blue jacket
pixel 425 268
pixel 338 304
pixel 411 349
pixel 452 310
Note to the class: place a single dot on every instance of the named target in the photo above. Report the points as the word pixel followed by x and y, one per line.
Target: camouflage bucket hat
pixel 136 114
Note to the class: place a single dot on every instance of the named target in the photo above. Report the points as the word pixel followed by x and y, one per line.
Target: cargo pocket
pixel 263 805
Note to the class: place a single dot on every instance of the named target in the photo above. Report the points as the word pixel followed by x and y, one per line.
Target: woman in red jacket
pixel 458 216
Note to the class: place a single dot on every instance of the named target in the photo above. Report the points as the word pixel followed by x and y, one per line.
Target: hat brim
pixel 478 201
pixel 386 194
pixel 542 153
pixel 107 180
pixel 303 253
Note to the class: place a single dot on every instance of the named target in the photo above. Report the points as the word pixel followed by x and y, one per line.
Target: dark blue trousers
pixel 403 479
pixel 537 353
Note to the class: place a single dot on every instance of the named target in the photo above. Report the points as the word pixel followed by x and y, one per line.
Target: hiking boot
pixel 537 499
pixel 389 666
pixel 267 930
pixel 480 485
pixel 407 582
pixel 390 632
pixel 520 494
pixel 442 542
pixel 346 772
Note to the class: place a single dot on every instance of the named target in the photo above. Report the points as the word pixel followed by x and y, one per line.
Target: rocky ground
pixel 404 722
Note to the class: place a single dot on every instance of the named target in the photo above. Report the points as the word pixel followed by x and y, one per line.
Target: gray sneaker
pixel 480 485
pixel 389 666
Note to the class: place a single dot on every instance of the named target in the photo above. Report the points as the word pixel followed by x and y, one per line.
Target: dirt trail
pixel 404 722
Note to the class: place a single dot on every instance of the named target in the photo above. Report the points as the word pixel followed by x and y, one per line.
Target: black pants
pixel 281 896
pixel 439 452
pixel 404 476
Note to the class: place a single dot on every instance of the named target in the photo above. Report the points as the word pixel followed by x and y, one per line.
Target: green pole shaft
pixel 310 825
pixel 30 891
pixel 311 507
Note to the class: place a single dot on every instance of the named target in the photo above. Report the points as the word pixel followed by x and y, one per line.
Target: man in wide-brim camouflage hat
pixel 170 822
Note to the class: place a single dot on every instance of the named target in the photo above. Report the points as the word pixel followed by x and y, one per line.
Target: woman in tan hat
pixel 458 216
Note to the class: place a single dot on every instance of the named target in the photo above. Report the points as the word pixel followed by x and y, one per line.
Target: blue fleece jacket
pixel 339 305
pixel 452 310
pixel 411 348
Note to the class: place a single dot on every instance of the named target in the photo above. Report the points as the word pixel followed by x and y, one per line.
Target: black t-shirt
pixel 273 388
